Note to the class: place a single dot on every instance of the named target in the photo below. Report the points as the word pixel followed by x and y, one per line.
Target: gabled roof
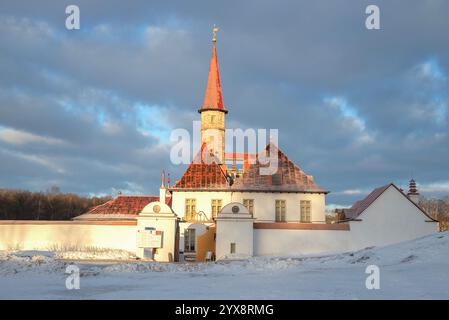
pixel 287 178
pixel 360 206
pixel 213 98
pixel 121 207
pixel 208 175
pixel 203 173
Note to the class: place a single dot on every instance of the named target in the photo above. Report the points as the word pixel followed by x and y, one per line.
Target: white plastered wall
pixel 299 242
pixel 68 235
pixel 264 203
pixel 164 220
pixel 389 219
pixel 203 201
pixel 234 226
pixel 234 231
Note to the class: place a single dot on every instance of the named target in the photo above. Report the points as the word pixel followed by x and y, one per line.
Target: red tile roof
pixel 123 205
pixel 213 98
pixel 287 178
pixel 204 173
pixel 209 176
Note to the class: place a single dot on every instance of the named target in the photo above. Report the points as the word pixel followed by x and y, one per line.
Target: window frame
pixel 189 240
pixel 215 207
pixel 189 204
pixel 305 209
pixel 233 248
pixel 250 206
pixel 281 214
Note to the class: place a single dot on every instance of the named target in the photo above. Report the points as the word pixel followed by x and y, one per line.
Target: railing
pixel 199 216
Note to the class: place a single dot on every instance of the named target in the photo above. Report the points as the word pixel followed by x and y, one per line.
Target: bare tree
pixel 51 205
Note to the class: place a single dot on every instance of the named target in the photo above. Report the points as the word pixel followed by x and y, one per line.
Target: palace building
pixel 215 210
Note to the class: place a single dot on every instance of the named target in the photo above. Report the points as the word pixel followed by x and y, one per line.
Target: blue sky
pixel 91 110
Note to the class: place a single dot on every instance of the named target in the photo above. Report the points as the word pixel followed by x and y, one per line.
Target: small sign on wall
pixel 149 239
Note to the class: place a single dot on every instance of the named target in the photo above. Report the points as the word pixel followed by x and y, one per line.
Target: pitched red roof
pixel 123 205
pixel 287 178
pixel 203 173
pixel 213 98
pixel 360 206
pixel 209 176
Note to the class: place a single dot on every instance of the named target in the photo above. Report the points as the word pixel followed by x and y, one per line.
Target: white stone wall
pixel 168 226
pixel 203 201
pixel 278 242
pixel 390 219
pixel 264 203
pixel 50 235
pixel 159 216
pixel 234 231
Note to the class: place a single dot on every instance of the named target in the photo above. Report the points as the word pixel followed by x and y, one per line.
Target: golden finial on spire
pixel 214 33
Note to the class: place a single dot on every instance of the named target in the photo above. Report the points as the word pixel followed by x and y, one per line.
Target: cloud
pixel 431 69
pixel 435 187
pixel 91 110
pixel 351 192
pixel 13 136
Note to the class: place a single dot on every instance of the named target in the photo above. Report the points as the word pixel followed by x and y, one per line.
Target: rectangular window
pixel 306 208
pixel 280 211
pixel 249 204
pixel 189 240
pixel 190 209
pixel 233 247
pixel 216 207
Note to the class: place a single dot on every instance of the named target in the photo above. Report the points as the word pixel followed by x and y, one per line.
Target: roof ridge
pixel 292 179
pixel 203 174
pixel 360 206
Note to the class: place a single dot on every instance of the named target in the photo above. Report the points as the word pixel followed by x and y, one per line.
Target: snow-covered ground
pixel 417 269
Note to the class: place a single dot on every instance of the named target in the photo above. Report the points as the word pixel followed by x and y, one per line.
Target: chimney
pixel 162 188
pixel 413 191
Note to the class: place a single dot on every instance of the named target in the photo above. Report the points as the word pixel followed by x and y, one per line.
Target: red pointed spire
pixel 213 99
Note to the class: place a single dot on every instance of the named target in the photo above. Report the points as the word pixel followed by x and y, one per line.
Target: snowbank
pixel 413 269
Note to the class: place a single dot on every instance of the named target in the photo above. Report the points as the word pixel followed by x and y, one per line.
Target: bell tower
pixel 212 110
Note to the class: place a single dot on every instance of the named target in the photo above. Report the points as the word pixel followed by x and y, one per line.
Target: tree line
pixel 48 205
pixel 54 205
pixel 437 209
